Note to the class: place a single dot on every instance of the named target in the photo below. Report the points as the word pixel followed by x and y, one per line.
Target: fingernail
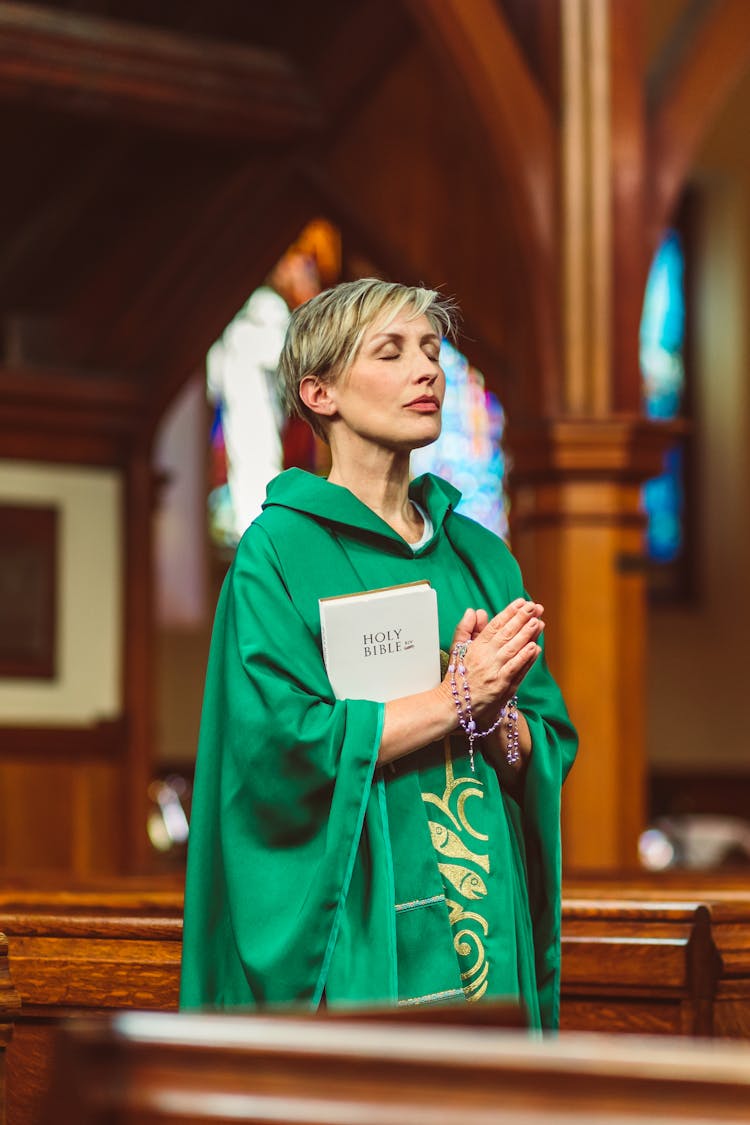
pixel 529 607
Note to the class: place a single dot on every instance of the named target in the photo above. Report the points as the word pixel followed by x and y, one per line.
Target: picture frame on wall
pixel 28 584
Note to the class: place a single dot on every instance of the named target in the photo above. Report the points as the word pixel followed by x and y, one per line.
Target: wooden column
pixel 578 534
pixel 586 220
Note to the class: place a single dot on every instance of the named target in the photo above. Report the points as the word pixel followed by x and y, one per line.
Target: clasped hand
pixel 503 651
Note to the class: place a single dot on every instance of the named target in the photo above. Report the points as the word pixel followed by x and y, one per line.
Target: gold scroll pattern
pixel 461 865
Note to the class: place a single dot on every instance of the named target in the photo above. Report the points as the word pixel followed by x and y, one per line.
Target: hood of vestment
pixel 337 507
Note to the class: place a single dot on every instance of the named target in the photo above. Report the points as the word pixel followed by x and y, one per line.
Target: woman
pixel 348 851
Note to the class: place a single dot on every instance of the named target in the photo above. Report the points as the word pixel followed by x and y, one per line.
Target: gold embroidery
pixel 459 914
pixel 448 843
pixel 468 883
pixel 476 987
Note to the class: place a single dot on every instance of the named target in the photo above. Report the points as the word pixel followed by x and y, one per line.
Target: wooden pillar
pixel 586 219
pixel 577 523
pixel 578 534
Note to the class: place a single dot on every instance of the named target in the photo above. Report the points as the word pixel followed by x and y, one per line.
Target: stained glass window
pixel 662 338
pixel 469 451
pixel 251 441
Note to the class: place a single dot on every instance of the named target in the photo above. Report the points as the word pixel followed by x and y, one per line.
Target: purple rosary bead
pixel 464 713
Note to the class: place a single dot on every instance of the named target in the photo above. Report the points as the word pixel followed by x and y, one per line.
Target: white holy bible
pixel 381 644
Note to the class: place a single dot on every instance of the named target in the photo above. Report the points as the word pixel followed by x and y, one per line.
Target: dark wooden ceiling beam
pixel 123 318
pixel 159 78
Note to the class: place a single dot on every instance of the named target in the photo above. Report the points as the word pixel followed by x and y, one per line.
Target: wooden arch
pixel 694 96
pixel 476 45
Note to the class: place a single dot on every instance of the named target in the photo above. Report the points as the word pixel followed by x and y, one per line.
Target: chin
pixel 422 442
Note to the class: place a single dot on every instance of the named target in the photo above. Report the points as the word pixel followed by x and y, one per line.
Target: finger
pixel 525 647
pixel 520 666
pixel 507 641
pixel 481 623
pixel 464 631
pixel 509 620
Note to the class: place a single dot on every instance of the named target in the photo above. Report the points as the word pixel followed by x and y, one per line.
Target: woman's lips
pixel 424 405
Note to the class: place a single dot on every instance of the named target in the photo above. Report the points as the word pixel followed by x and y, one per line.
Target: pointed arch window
pixel 663 372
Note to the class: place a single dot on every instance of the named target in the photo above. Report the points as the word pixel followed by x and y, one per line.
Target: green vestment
pixel 313 873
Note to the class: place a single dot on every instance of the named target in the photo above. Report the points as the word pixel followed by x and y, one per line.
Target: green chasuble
pixel 311 872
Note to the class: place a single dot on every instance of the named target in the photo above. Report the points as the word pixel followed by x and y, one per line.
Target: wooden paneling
pixel 62 795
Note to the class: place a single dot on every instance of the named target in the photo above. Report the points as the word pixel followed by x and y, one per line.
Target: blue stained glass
pixel 662 336
pixel 664 501
pixel 469 452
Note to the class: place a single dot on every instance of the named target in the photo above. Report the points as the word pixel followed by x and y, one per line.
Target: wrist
pixel 447 706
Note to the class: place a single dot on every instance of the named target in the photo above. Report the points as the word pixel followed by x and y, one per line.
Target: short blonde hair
pixel 325 333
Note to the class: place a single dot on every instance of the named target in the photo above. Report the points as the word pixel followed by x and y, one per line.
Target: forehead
pixel 403 322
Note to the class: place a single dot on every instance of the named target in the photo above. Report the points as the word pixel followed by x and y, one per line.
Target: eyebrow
pixel 386 337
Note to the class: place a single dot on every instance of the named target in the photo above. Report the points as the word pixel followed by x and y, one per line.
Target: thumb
pixel 465 629
pixel 481 619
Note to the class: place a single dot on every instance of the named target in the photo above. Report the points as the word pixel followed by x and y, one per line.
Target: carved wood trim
pixel 622 448
pixel 62 416
pixel 110 68
pixel 105 739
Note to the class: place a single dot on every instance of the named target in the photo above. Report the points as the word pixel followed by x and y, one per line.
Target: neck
pixel 380 479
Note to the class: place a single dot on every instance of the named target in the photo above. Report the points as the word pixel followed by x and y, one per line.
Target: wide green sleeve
pixel 283 777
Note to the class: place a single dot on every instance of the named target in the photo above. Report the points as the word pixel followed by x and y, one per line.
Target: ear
pixel 317 396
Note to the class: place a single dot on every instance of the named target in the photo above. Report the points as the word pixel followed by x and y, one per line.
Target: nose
pixel 427 370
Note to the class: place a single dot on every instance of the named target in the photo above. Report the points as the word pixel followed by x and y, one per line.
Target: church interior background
pixel 594 227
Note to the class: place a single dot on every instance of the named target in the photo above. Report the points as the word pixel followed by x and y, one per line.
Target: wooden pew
pixel 10 1005
pixel 75 951
pixel 636 957
pixel 80 950
pixel 650 954
pixel 181 1070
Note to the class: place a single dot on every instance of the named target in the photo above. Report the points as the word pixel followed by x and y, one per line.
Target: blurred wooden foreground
pixel 182 1070
pixel 640 955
